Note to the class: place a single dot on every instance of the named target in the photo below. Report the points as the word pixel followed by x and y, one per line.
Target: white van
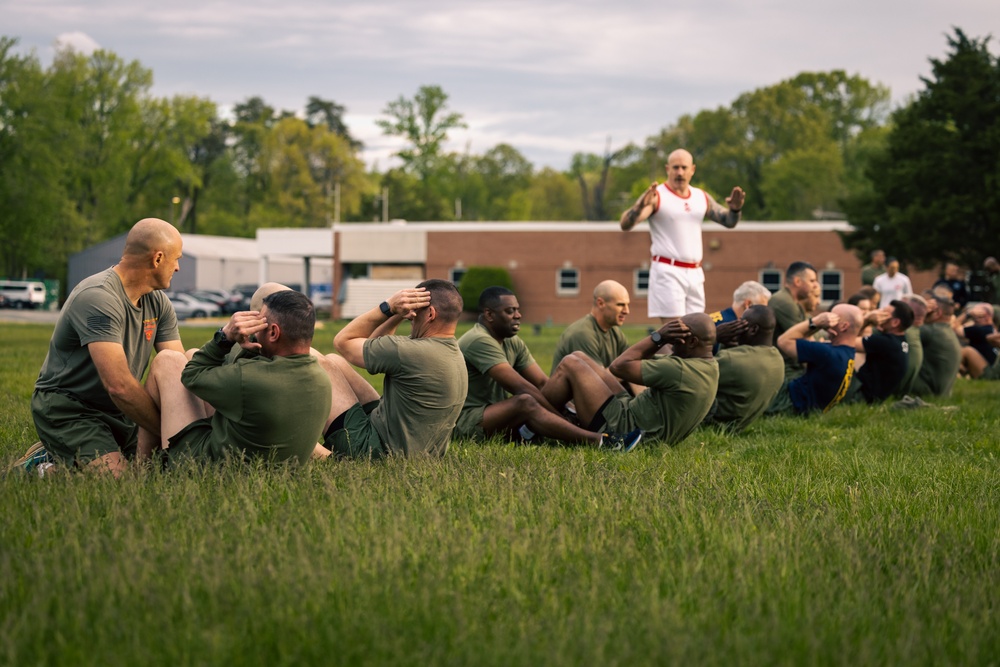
pixel 22 293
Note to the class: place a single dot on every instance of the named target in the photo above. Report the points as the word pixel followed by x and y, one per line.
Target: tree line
pixel 86 150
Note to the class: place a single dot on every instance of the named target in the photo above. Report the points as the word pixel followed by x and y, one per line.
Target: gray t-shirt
pixel 98 311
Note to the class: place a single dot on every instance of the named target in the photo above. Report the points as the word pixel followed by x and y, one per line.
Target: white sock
pixel 526 432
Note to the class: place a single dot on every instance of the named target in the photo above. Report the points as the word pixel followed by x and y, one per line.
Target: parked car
pixel 228 302
pixel 22 293
pixel 187 306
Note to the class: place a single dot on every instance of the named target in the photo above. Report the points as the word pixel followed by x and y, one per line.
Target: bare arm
pixel 404 304
pixel 628 366
pixel 124 390
pixel 640 210
pixel 514 383
pixel 787 341
pixel 727 215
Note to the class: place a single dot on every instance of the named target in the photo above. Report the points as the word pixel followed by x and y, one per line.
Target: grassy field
pixel 859 537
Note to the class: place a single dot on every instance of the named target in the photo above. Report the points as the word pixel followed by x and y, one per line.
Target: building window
pixel 568 282
pixel 640 282
pixel 455 274
pixel 832 285
pixel 771 279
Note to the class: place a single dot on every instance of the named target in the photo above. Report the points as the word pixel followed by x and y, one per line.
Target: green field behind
pixel 863 536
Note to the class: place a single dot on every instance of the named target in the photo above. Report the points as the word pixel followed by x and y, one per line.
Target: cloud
pixel 80 42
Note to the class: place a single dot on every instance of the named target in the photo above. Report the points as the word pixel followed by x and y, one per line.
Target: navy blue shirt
pixel 721 317
pixel 828 375
pixel 976 334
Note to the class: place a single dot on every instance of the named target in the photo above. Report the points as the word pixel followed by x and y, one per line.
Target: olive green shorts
pixel 992 372
pixel 193 441
pixel 614 416
pixel 782 403
pixel 352 435
pixel 76 433
pixel 470 425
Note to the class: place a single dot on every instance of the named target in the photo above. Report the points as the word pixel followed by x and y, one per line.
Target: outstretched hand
pixel 736 199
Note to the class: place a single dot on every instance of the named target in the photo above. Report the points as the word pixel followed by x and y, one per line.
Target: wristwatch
pixel 657 339
pixel 222 341
pixel 386 310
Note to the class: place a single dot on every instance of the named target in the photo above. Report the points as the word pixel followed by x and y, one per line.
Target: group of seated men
pixel 257 388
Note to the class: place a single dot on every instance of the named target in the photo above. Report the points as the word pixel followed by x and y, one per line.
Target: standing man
pixel 892 285
pixel 675 211
pixel 875 268
pixel 505 382
pixel 954 279
pixel 425 378
pixel 272 406
pixel 992 268
pixel 598 334
pixel 88 398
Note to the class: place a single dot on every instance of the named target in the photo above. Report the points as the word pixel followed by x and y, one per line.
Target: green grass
pixel 859 537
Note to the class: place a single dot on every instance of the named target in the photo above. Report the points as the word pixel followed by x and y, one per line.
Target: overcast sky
pixel 550 78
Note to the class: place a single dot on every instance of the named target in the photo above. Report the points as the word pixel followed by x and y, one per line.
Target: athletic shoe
pixel 619 442
pixel 32 459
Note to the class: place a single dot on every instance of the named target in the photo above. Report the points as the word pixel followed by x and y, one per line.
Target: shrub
pixel 478 278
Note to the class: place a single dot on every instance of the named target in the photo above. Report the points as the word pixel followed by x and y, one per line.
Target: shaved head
pixel 850 314
pixel 264 291
pixel 150 235
pixel 680 154
pixel 610 290
pixel 702 326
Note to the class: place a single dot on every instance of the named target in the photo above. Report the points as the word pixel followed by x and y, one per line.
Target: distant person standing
pixel 953 278
pixel 675 211
pixel 992 268
pixel 875 268
pixel 892 285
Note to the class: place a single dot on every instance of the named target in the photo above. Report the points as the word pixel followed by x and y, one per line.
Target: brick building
pixel 555 265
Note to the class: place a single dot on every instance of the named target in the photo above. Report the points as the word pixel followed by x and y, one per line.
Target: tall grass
pixel 863 536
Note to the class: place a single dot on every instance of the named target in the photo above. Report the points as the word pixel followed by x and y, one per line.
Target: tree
pixel 936 185
pixel 330 114
pixel 34 214
pixel 592 173
pixel 424 122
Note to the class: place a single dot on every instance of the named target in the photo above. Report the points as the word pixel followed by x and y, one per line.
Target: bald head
pixel 680 154
pixel 762 322
pixel 264 291
pixel 148 236
pixel 611 304
pixel 703 331
pixel 851 315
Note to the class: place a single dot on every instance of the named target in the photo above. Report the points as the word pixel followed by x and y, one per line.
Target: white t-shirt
pixel 892 288
pixel 675 225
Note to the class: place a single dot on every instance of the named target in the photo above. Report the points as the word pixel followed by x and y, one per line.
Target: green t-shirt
pixel 482 352
pixel 271 408
pixel 678 396
pixel 749 379
pixel 424 389
pixel 914 360
pixel 787 313
pixel 585 335
pixel 99 311
pixel 942 357
pixel 870 272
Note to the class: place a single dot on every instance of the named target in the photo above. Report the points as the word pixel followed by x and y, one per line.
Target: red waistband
pixel 676 262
